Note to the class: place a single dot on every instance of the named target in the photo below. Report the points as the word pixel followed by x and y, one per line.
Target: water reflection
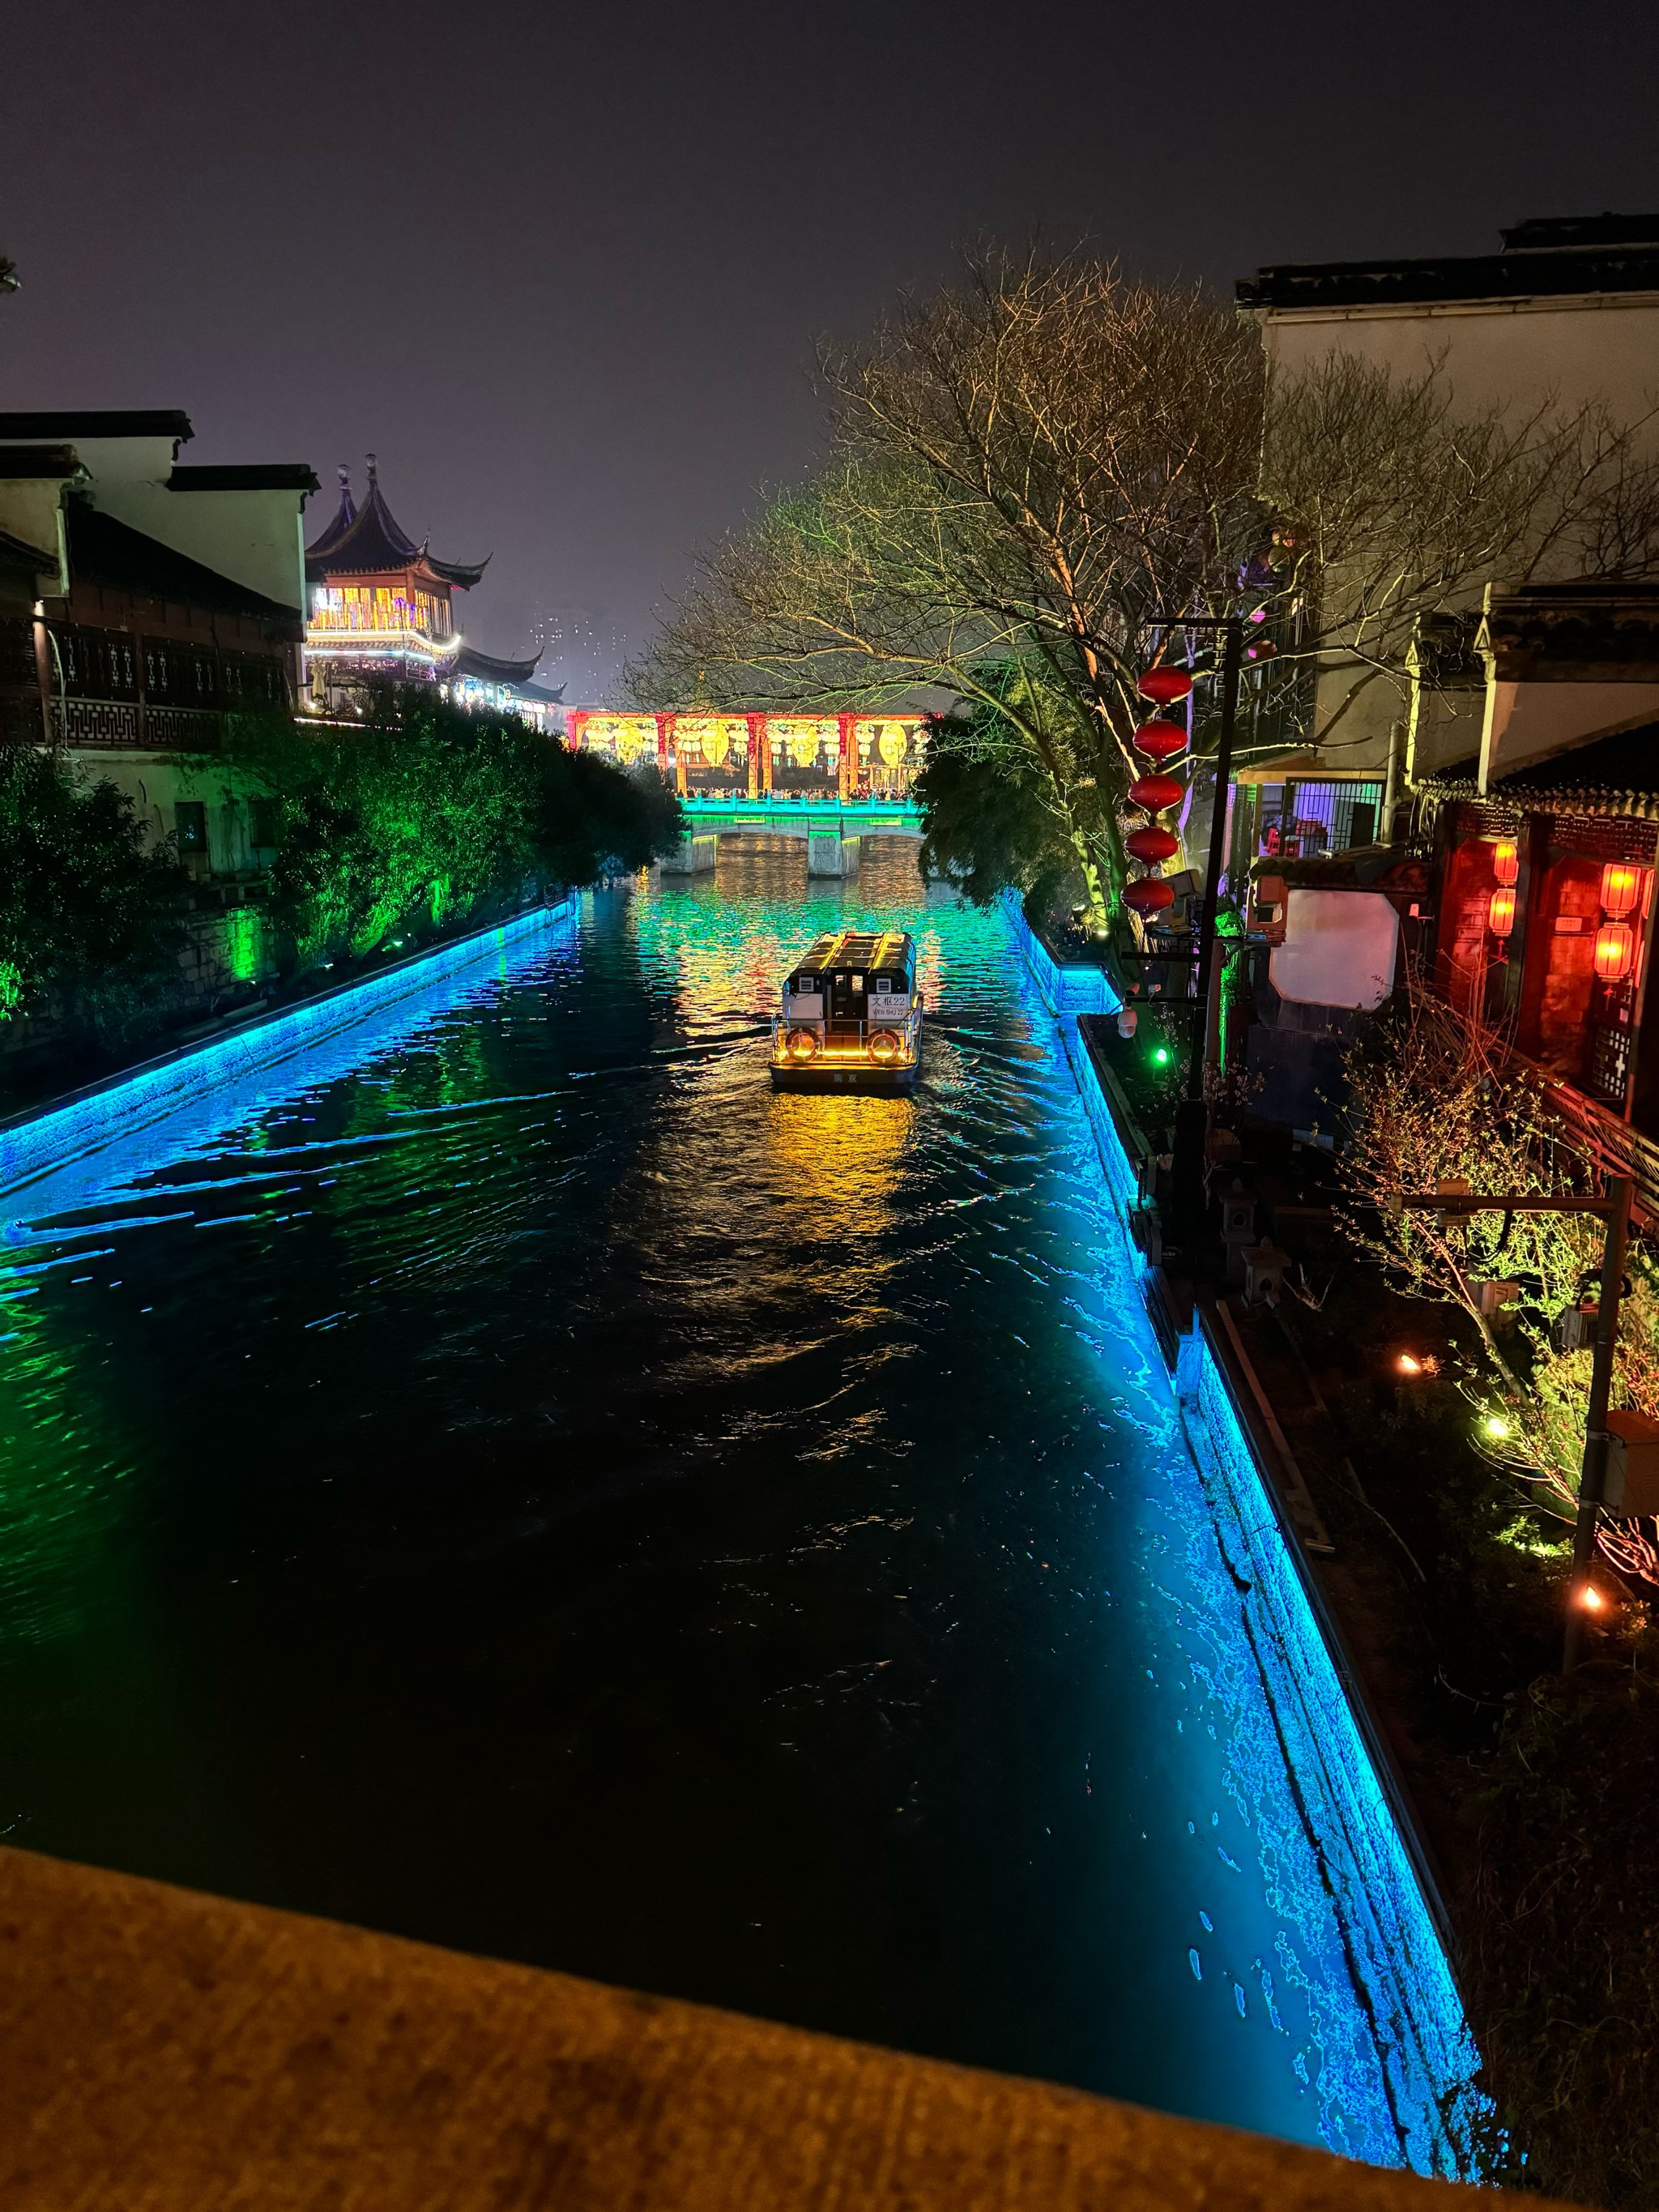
pixel 543 1492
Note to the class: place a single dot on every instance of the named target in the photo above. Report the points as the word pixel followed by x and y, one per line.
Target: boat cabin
pixel 850 1015
pixel 848 976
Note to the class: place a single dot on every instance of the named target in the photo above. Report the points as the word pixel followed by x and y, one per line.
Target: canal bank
pixel 535 1491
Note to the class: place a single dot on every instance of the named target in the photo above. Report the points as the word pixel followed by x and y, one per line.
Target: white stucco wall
pixel 253 537
pixel 1595 346
pixel 1512 354
pixel 32 508
pixel 1530 722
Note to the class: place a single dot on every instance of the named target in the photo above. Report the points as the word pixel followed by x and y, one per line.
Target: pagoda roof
pixel 488 670
pixel 368 541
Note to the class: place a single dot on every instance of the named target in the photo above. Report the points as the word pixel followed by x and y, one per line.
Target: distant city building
pixel 583 656
pixel 381 610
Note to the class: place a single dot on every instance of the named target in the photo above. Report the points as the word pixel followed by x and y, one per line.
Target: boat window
pixel 858 982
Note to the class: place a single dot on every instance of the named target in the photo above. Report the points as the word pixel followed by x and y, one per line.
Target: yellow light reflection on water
pixel 845 1153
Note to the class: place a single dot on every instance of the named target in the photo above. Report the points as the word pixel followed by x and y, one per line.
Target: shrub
pixel 88 926
pixel 426 814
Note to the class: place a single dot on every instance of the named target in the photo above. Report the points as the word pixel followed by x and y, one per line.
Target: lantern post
pixel 1192 1114
pixel 1232 630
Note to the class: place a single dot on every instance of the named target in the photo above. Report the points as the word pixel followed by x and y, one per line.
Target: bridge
pixel 833 829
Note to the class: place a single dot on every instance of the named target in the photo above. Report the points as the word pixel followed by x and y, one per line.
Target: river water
pixel 537 1491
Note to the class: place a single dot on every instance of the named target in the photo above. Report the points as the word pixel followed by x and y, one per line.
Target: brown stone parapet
pixel 163 2052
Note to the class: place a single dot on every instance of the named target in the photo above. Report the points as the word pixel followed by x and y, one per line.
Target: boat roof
pixel 850 948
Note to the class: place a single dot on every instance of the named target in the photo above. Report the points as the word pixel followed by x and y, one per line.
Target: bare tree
pixel 1028 468
pixel 1025 471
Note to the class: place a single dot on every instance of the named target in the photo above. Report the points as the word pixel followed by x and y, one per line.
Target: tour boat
pixel 851 1018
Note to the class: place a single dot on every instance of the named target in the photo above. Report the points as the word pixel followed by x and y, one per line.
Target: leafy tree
pixel 88 927
pixel 989 825
pixel 426 814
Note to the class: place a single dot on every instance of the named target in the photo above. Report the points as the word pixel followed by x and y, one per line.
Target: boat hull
pixel 877 1082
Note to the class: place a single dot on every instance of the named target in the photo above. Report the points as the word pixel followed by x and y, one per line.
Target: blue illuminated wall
pixel 1396 1960
pixel 48 1161
pixel 1079 989
pixel 1115 1163
pixel 1400 2059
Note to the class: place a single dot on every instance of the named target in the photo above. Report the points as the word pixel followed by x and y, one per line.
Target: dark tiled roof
pixel 1553 231
pixel 104 551
pixel 1627 762
pixel 368 541
pixel 18 463
pixel 100 422
pixel 490 671
pixel 258 476
pixel 1552 258
pixel 19 557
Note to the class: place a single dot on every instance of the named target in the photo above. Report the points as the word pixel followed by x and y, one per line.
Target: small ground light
pixel 1591 1599
pixel 1408 1363
pixel 1162 1054
pixel 1496 1425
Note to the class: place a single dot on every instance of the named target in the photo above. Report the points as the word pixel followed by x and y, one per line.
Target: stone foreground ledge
pixel 164 2051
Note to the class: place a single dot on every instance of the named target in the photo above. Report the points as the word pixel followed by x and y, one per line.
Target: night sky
pixel 562 267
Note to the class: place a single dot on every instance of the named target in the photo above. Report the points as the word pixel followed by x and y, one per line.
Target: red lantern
pixel 1620 882
pixel 1148 895
pixel 1162 740
pixel 1615 949
pixel 1152 845
pixel 1500 912
pixel 1164 685
pixel 1155 793
pixel 1505 860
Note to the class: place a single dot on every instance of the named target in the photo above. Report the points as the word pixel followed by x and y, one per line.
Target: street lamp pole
pixel 1613 1209
pixel 1232 630
pixel 1192 1113
pixel 1593 1474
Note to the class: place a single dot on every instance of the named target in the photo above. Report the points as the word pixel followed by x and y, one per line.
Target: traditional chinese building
pixel 381 610
pixel 793 754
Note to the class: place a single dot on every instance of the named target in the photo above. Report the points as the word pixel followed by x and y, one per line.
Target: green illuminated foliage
pixel 988 824
pixel 88 928
pixel 426 814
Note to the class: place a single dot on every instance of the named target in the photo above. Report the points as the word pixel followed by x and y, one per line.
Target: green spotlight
pixel 1162 1054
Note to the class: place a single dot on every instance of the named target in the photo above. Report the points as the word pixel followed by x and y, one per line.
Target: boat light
pixel 801 1044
